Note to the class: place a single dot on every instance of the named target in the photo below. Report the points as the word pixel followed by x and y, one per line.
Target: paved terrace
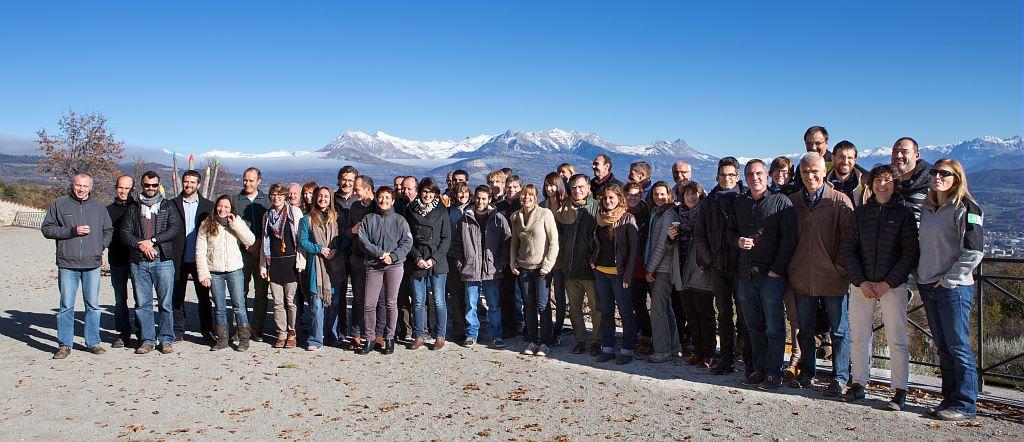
pixel 456 393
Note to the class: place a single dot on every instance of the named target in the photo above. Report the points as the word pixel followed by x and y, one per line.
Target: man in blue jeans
pixel 816 275
pixel 150 229
pixel 82 229
pixel 763 227
pixel 479 248
pixel 119 258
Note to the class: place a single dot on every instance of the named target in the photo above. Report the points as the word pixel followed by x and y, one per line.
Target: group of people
pixel 711 276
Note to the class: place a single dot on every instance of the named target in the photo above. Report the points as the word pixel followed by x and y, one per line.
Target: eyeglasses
pixel 728 175
pixel 151 186
pixel 940 172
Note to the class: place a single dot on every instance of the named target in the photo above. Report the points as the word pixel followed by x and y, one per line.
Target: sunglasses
pixel 940 172
pixel 151 186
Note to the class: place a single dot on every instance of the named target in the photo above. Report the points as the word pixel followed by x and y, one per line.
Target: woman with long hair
pixel 385 239
pixel 532 256
pixel 454 285
pixel 428 264
pixel 320 237
pixel 307 196
pixel 555 196
pixel 614 260
pixel 281 261
pixel 219 243
pixel 951 231
pixel 662 264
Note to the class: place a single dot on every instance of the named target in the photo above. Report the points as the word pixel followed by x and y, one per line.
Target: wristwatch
pixel 153 240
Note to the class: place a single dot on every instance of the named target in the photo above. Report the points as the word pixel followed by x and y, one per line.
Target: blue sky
pixel 736 78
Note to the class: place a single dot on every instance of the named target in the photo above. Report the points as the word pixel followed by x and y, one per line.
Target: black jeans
pixel 700 314
pixel 178 301
pixel 507 294
pixel 536 305
pixel 405 309
pixel 456 303
pixel 641 290
pixel 682 320
pixel 726 299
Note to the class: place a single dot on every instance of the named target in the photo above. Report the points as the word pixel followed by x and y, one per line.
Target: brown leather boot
pixel 281 341
pixel 438 343
pixel 416 344
pixel 290 342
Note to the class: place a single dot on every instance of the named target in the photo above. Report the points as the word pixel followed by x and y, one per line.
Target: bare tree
pixel 82 144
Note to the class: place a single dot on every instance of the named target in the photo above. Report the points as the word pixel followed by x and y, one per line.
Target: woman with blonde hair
pixel 951 231
pixel 219 267
pixel 320 237
pixel 532 256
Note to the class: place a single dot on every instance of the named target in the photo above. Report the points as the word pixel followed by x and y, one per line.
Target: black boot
pixel 389 347
pixel 222 337
pixel 365 348
pixel 244 333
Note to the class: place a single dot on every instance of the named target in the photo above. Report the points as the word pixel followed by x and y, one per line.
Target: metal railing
pixel 981 281
pixel 29 219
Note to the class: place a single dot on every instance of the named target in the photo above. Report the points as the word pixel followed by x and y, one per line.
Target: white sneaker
pixel 530 350
pixel 542 351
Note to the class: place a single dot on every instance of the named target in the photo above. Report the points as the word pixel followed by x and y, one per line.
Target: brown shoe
pixel 62 352
pixel 144 348
pixel 96 350
pixel 378 343
pixel 579 348
pixel 595 349
pixel 438 343
pixel 281 341
pixel 290 342
pixel 166 348
pixel 416 344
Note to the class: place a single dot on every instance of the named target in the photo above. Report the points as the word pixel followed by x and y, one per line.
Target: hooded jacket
pixel 76 251
pixel 481 251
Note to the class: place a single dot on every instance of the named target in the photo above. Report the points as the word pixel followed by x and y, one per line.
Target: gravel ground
pixel 455 393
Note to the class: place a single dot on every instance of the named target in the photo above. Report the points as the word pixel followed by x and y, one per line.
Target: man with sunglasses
pixel 150 229
pixel 914 180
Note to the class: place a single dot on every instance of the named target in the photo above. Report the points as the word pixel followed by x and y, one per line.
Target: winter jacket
pixel 882 245
pixel 574 246
pixel 661 253
pixel 166 224
pixel 381 233
pixel 627 246
pixel 853 186
pixel 204 209
pixel 455 214
pixel 816 267
pixel 476 261
pixel 356 212
pixel 954 238
pixel 693 278
pixel 118 253
pixel 771 221
pixel 915 188
pixel 76 251
pixel 223 251
pixel 714 253
pixel 597 186
pixel 300 255
pixel 252 212
pixel 534 240
pixel 431 238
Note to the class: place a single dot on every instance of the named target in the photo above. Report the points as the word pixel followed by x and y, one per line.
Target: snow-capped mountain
pixel 978 153
pixel 357 145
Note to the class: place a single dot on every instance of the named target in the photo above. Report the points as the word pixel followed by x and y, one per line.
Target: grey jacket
pixel 476 261
pixel 952 242
pixel 76 251
pixel 661 252
pixel 381 233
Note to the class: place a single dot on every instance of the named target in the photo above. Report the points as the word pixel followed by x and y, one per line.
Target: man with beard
pixel 914 179
pixel 846 176
pixel 603 176
pixel 193 209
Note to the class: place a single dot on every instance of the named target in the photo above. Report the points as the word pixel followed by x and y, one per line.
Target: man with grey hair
pixel 682 173
pixel 295 194
pixel 816 275
pixel 81 228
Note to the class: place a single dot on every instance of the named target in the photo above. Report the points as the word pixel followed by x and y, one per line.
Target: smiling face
pixel 780 177
pixel 727 177
pixel 278 199
pixel 661 196
pixel 813 175
pixel 904 157
pixel 150 186
pixel 294 194
pixel 816 142
pixel 691 199
pixel 844 160
pixel 81 185
pixel 189 185
pixel 633 197
pixel 250 182
pixel 124 187
pixel 483 199
pixel 610 200
pixel 579 189
pixel 385 201
pixel 223 208
pixel 529 200
pixel 681 172
pixel 883 186
pixel 307 196
pixel 756 177
pixel 943 178
pixel 324 199
pixel 347 182
pixel 512 189
pixel 462 196
pixel 427 196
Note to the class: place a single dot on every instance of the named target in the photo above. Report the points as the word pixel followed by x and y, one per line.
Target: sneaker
pixel 856 392
pixel 753 379
pixel 800 381
pixel 62 352
pixel 834 389
pixel 469 343
pixel 770 383
pixel 898 401
pixel 166 348
pixel 579 348
pixel 143 349
pixel 605 357
pixel 498 343
pixel 96 350
pixel 530 350
pixel 623 359
pixel 118 343
pixel 542 351
pixel 951 415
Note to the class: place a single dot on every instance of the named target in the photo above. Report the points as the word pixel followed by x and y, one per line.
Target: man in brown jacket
pixel 816 275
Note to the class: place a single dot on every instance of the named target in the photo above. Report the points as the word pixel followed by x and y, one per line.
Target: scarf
pixel 325 234
pixel 150 205
pixel 275 226
pixel 567 214
pixel 611 217
pixel 423 209
pixel 222 221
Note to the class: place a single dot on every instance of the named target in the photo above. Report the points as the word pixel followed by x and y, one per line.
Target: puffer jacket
pixel 915 189
pixel 165 228
pixel 476 261
pixel 661 250
pixel 222 252
pixel 816 267
pixel 431 238
pixel 882 246
pixel 714 253
pixel 627 246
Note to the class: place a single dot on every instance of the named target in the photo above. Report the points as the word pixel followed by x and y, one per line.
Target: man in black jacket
pixel 914 180
pixel 193 209
pixel 251 204
pixel 719 257
pixel 763 228
pixel 149 229
pixel 119 259
pixel 603 176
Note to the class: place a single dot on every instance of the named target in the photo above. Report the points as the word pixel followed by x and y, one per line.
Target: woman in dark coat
pixel 427 266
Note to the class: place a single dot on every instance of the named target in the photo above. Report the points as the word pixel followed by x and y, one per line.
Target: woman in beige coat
pixel 219 266
pixel 533 253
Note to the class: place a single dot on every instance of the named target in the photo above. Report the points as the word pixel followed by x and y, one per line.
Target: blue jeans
pixel 764 313
pixel 610 293
pixel 119 277
pixel 233 284
pixel 147 276
pixel 536 306
pixel 67 283
pixel 836 309
pixel 489 290
pixel 436 285
pixel 325 321
pixel 949 318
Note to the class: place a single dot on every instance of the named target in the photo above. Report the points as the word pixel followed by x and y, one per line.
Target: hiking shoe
pixel 834 389
pixel 542 351
pixel 856 392
pixel 62 352
pixel 166 348
pixel 96 350
pixel 530 350
pixel 753 379
pixel 498 343
pixel 898 401
pixel 579 348
pixel 605 357
pixel 770 383
pixel 144 348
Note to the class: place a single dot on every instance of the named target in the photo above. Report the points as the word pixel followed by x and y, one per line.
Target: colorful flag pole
pixel 174 173
pixel 191 162
pixel 206 185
